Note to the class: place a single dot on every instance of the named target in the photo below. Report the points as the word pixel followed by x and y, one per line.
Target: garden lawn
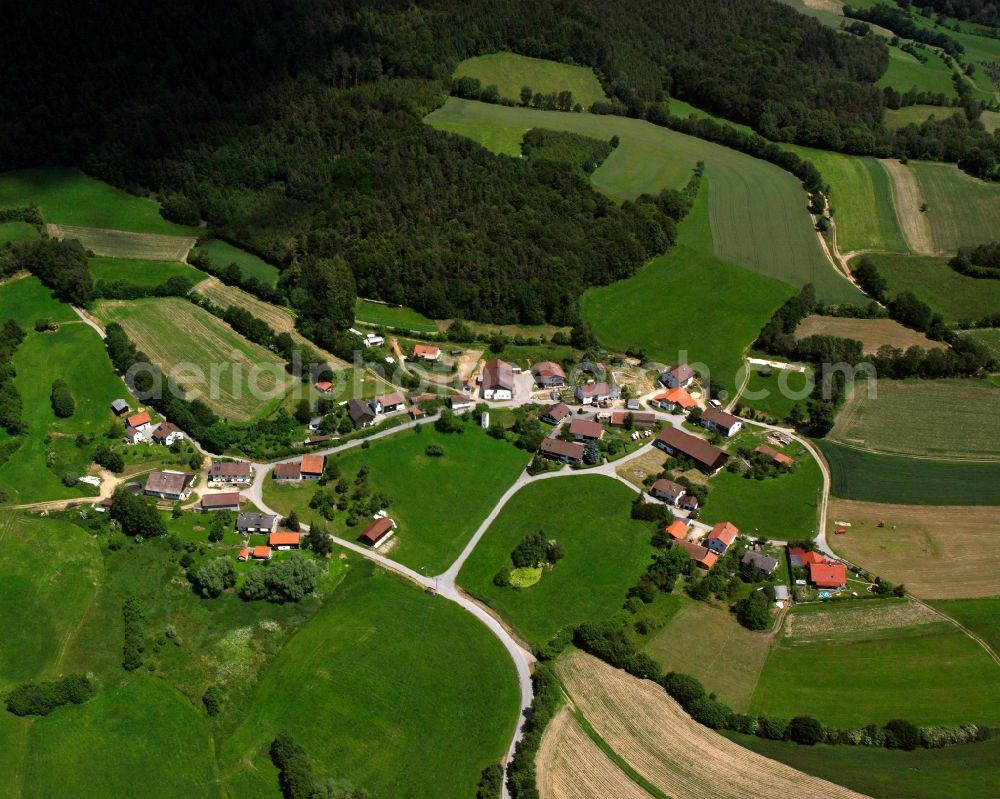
pixel 606 552
pixel 775 391
pixel 68 197
pixel 962 210
pixel 17 231
pixel 405 694
pixel 141 273
pixel 874 477
pixel 687 305
pixel 223 254
pixel 982 616
pixel 510 71
pixel 376 313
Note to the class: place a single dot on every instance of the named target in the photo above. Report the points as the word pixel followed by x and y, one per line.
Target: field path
pixel 908 198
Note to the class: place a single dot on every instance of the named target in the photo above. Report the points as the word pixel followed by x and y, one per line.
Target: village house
pixel 762 562
pixel 548 374
pixel 459 402
pixel 723 423
pixel 228 500
pixel 702 556
pixel 140 421
pixel 360 412
pixel 497 381
pixel 680 376
pixel 313 440
pixel 426 352
pixel 323 386
pixel 559 450
pixel 668 491
pixel 230 472
pixel 389 403
pixel 677 529
pixel 244 554
pixel 167 433
pixel 586 430
pixel 589 393
pixel 373 340
pixel 829 574
pixel 119 407
pixel 690 503
pixel 283 540
pixel 169 484
pixel 779 458
pixel 312 467
pixel 415 412
pixel 255 523
pixel 261 553
pixel 802 558
pixel 287 471
pixel 707 457
pixel 133 435
pixel 721 537
pixel 556 413
pixel 378 532
pixel 674 399
pixel 640 419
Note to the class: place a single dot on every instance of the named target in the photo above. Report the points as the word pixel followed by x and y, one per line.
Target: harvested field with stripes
pixel 125 244
pixel 872 333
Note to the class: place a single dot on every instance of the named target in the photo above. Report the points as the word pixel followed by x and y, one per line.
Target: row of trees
pixel 297 779
pixel 11 407
pixel 40 699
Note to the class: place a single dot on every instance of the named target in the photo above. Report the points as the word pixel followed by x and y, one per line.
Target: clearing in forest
pixel 510 71
pixel 125 244
pixel 909 200
pixel 872 333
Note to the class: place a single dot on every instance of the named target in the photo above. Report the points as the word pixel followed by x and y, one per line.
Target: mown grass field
pixel 896 118
pixel 872 333
pixel 25 299
pixel 865 675
pixel 962 210
pixel 905 72
pixel 874 477
pixel 714 312
pixel 375 313
pixel 68 197
pixel 923 417
pixel 982 616
pixel 17 231
pixel 758 217
pixel 954 296
pixel 860 198
pixel 173 331
pixel 140 272
pixel 125 244
pixel 606 552
pixel 510 71
pixel 223 254
pixel 776 391
pixel 404 694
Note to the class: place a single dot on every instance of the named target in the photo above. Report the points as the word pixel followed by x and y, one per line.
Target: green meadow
pixel 982 616
pixel 776 391
pixel 140 272
pixel 376 313
pixel 223 253
pixel 606 552
pixel 905 72
pixel 896 118
pixel 17 231
pixel 961 209
pixel 510 71
pixel 25 299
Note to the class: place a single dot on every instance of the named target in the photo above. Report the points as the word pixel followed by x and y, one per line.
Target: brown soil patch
pixel 651 732
pixel 858 618
pixel 940 552
pixel 571 766
pixel 907 198
pixel 872 333
pixel 638 469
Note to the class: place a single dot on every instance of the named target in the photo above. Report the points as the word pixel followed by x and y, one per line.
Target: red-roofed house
pixel 640 419
pixel 675 398
pixel 721 537
pixel 705 558
pixel 426 352
pixel 677 530
pixel 140 421
pixel 312 467
pixel 323 386
pixel 778 457
pixel 586 430
pixel 261 553
pixel 378 532
pixel 548 374
pixel 800 557
pixel 388 403
pixel 244 554
pixel 828 575
pixel 283 540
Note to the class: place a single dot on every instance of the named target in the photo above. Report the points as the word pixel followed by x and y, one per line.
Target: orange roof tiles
pixel 725 532
pixel 828 575
pixel 677 529
pixel 138 419
pixel 283 539
pixel 262 553
pixel 312 464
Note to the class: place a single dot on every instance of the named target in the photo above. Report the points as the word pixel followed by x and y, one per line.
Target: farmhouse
pixel 119 406
pixel 675 399
pixel 323 386
pixel 679 376
pixel 677 529
pixel 230 472
pixel 556 413
pixel 378 532
pixel 667 490
pixel 283 540
pixel 133 435
pixel 721 422
pixel 676 442
pixel 699 554
pixel 459 402
pixel 590 393
pixel 548 374
pixel 426 352
pixel 763 563
pixel 388 403
pixel 312 466
pixel 169 484
pixel 721 537
pixel 229 500
pixel 586 430
pixel 777 457
pixel 167 433
pixel 287 471
pixel 255 523
pixel 261 553
pixel 360 412
pixel 498 380
pixel 139 421
pixel 828 575
pixel 559 450
pixel 643 419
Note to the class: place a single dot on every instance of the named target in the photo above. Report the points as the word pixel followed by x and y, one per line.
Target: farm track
pixel 908 199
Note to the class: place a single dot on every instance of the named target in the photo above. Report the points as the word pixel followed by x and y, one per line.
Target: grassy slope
pixel 140 273
pixel 905 73
pixel 989 338
pixel 765 392
pixel 758 216
pixel 68 197
pixel 982 616
pixel 223 253
pixel 509 72
pixel 962 210
pixel 406 695
pixel 26 300
pixel 687 301
pixel 378 314
pixel 606 551
pixel 871 477
pixel 916 114
pixel 17 231
pixel 954 296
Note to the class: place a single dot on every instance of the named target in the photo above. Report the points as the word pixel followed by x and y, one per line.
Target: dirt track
pixel 907 198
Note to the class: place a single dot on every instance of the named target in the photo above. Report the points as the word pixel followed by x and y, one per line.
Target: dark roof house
pixel 709 458
pixel 360 412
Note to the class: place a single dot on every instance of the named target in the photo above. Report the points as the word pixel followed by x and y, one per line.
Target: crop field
pixel 905 72
pixel 962 211
pixel 941 553
pixel 606 552
pixel 360 686
pixel 173 331
pixel 758 217
pixel 776 391
pixel 908 199
pixel 861 200
pixel 897 479
pixel 651 732
pixel 982 616
pixel 862 674
pixel 896 118
pixel 223 254
pixel 740 303
pixel 954 296
pixel 109 243
pixel 140 272
pixel 376 313
pixel 716 649
pixel 510 71
pixel 17 231
pixel 68 197
pixel 923 417
pixel 872 333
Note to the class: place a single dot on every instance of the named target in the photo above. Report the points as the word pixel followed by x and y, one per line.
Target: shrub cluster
pixel 40 699
pixel 288 581
pixel 296 777
pixel 214 577
pixel 11 407
pixel 63 404
pixel 134 643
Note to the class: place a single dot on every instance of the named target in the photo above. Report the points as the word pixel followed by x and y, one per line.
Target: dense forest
pixel 985 12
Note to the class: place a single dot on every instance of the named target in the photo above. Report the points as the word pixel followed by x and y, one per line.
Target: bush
pixel 434 450
pixel 215 577
pixel 684 688
pixel 711 713
pixel 288 581
pixel 805 730
pixel 134 644
pixel 754 611
pixel 901 734
pixel 109 459
pixel 212 700
pixel 295 774
pixel 521 777
pixel 40 699
pixel 63 404
pixel 772 729
pixel 490 782
pixel 502 578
